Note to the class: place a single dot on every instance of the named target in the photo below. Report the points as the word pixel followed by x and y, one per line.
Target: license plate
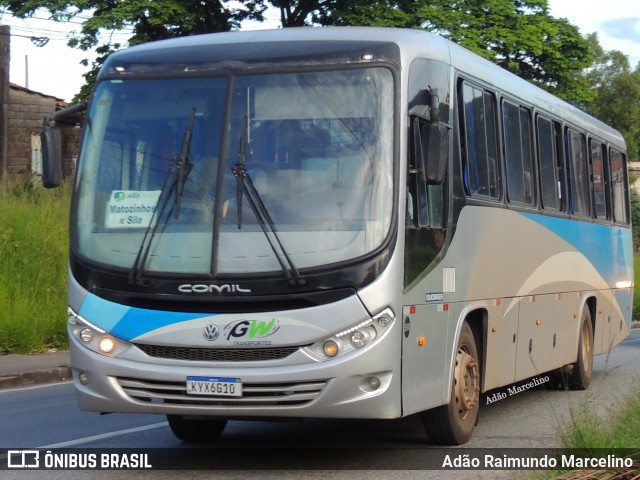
pixel 214 386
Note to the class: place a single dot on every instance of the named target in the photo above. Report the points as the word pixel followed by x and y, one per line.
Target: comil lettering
pixel 203 288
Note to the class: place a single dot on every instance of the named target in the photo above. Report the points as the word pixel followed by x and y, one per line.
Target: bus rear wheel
pixel 196 430
pixel 580 377
pixel 453 424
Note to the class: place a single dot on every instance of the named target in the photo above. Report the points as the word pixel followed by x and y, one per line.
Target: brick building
pixel 27 110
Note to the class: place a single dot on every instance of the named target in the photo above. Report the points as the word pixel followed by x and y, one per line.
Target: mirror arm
pixel 434 106
pixel 67 112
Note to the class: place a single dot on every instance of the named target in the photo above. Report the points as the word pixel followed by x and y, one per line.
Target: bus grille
pixel 253 394
pixel 217 354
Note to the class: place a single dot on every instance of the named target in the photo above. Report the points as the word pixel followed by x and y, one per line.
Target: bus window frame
pixel 559 171
pixel 569 161
pixel 606 179
pixel 461 82
pixel 625 184
pixel 534 174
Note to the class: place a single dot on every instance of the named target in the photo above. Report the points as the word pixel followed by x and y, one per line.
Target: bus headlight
pixel 86 335
pixel 360 338
pixel 107 345
pixel 351 339
pixel 94 337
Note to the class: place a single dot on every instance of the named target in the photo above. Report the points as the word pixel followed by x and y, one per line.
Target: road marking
pixel 32 387
pixel 102 436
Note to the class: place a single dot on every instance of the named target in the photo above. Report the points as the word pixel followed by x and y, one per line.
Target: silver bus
pixel 337 222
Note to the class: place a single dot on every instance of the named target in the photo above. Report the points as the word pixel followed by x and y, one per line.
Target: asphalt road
pixel 47 417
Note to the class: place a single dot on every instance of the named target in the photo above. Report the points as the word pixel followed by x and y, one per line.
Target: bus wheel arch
pixel 454 422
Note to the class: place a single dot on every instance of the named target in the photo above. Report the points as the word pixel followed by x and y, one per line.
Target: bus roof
pixel 308 45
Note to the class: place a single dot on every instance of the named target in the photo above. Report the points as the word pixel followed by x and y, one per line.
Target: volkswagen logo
pixel 210 332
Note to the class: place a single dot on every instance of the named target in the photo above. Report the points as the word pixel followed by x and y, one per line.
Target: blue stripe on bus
pixel 126 322
pixel 608 248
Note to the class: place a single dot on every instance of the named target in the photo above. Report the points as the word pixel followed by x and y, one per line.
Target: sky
pixel 55 69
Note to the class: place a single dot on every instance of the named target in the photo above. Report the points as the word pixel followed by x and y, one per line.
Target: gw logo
pixel 251 329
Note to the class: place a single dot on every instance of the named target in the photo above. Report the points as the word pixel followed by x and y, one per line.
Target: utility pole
pixel 4 100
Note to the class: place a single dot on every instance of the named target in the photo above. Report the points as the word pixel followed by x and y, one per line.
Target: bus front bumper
pixel 363 385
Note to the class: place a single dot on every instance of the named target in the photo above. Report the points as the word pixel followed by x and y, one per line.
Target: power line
pixel 39 32
pixel 41 37
pixel 65 21
pixel 22 32
pixel 37 41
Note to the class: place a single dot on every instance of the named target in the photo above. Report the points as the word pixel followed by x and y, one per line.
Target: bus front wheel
pixel 453 423
pixel 196 430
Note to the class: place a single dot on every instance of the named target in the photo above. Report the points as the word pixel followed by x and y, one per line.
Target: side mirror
pixel 431 149
pixel 51 141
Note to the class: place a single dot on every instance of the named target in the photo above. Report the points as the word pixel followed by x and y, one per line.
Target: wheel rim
pixel 467 388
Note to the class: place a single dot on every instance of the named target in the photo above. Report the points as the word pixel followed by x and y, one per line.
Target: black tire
pixel 191 430
pixel 580 377
pixel 453 424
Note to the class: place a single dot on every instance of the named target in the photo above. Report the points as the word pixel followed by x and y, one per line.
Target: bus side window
pixel 619 187
pixel 599 179
pixel 518 153
pixel 548 164
pixel 479 142
pixel 578 173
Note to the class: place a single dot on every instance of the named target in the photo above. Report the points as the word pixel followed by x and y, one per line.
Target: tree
pixel 145 20
pixel 299 13
pixel 294 13
pixel 634 201
pixel 517 34
pixel 616 94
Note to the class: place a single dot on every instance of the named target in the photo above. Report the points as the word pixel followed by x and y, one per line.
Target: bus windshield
pixel 160 183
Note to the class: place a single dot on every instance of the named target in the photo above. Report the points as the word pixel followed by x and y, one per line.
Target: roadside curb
pixel 25 379
pixel 26 370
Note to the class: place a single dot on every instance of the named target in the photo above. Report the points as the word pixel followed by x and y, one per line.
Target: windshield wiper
pixel 242 149
pixel 266 224
pixel 184 164
pixel 173 182
pixel 245 185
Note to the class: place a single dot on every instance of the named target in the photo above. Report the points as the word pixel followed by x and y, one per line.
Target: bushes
pixel 33 267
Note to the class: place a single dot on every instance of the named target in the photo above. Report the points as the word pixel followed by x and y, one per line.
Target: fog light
pixel 84 378
pixel 330 348
pixel 374 383
pixel 86 335
pixel 107 345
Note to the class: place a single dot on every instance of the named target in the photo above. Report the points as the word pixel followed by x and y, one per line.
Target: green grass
pixel 589 435
pixel 636 292
pixel 587 431
pixel 33 268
